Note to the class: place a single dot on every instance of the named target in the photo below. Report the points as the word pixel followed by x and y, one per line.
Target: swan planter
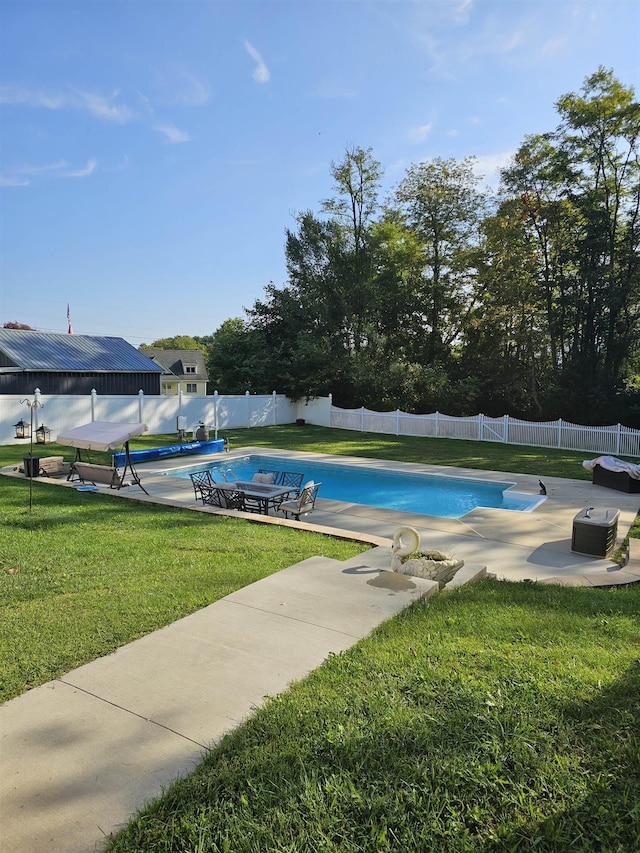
pixel 408 559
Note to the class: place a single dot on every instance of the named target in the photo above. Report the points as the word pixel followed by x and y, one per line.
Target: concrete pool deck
pixel 515 546
pixel 83 752
pixel 534 546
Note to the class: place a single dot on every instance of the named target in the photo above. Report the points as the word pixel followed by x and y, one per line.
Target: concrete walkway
pixel 82 753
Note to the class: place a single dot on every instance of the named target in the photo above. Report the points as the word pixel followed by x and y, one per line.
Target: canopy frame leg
pixel 128 464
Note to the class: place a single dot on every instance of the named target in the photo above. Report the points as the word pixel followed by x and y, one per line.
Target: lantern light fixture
pixel 43 434
pixel 23 429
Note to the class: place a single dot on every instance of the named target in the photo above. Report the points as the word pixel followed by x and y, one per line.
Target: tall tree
pixel 184 342
pixel 356 183
pixel 444 207
pixel 316 324
pixel 600 132
pixel 236 359
pixel 505 340
pixel 579 188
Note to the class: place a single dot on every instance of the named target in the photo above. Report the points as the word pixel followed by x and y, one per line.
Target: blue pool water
pixel 445 497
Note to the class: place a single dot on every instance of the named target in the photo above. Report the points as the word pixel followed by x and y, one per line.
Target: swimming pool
pixel 426 494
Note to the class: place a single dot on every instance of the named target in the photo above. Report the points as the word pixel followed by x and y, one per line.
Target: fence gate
pixel 493 429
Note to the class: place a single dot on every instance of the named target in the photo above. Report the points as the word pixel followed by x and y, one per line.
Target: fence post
pixel 617 439
pixel 560 433
pixel 37 404
pixel 94 394
pixel 215 414
pixel 437 424
pixel 397 421
pixel 480 427
pixel 247 395
pixel 330 407
pixel 273 397
pixel 140 406
pixel 505 431
pixel 362 419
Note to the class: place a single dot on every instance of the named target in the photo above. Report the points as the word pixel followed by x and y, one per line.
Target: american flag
pixel 69 330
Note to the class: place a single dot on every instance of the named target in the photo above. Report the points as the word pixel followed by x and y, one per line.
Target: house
pixel 59 363
pixel 183 370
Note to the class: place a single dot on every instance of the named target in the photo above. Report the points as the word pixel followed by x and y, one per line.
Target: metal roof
pixel 51 351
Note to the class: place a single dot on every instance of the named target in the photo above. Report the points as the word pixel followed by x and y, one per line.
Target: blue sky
pixel 153 152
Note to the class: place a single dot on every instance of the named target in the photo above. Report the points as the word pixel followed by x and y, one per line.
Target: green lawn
pixel 79 577
pixel 501 717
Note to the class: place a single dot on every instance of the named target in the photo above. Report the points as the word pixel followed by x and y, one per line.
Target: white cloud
pixel 179 86
pixel 58 169
pixel 172 134
pixel 553 45
pixel 146 103
pixel 82 173
pixel 39 170
pixel 97 105
pixel 489 165
pixel 13 182
pixel 396 167
pixel 11 94
pixel 261 73
pixel 513 41
pixel 419 134
pixel 461 10
pixel 192 91
pixel 104 108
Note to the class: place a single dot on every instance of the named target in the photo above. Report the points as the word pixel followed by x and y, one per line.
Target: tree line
pixel 446 296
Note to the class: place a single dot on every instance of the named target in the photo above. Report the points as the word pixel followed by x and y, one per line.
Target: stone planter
pixel 407 559
pixel 441 570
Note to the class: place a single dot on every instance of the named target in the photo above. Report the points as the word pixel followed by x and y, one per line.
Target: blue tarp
pixel 215 446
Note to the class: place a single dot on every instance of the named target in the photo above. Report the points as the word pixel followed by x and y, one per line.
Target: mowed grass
pixel 483 455
pixel 83 574
pixel 501 717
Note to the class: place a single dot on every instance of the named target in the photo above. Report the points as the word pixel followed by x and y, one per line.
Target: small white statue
pixel 408 559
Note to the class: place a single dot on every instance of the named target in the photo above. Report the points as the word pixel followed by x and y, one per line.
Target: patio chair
pixel 291 478
pixel 230 498
pixel 303 504
pixel 200 480
pixel 287 478
pixel 210 496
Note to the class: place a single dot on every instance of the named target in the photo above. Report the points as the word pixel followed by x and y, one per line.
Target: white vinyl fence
pixel 218 412
pixel 221 411
pixel 616 440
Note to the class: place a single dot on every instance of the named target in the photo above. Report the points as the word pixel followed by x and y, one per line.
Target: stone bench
pixel 54 466
pixel 50 466
pixel 89 471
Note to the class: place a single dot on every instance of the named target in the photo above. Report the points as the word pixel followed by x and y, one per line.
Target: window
pixel 190 368
pixel 192 387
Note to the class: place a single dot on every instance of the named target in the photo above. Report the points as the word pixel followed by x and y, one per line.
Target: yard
pixel 499 717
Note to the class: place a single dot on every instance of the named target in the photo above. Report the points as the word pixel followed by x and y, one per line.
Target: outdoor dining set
pixel 280 491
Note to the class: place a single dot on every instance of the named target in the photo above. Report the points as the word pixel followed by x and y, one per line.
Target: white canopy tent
pixel 101 435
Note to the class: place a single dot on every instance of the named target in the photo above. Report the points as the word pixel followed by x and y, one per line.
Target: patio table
pixel 266 494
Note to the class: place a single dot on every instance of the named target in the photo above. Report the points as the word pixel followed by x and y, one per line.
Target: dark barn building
pixel 59 363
